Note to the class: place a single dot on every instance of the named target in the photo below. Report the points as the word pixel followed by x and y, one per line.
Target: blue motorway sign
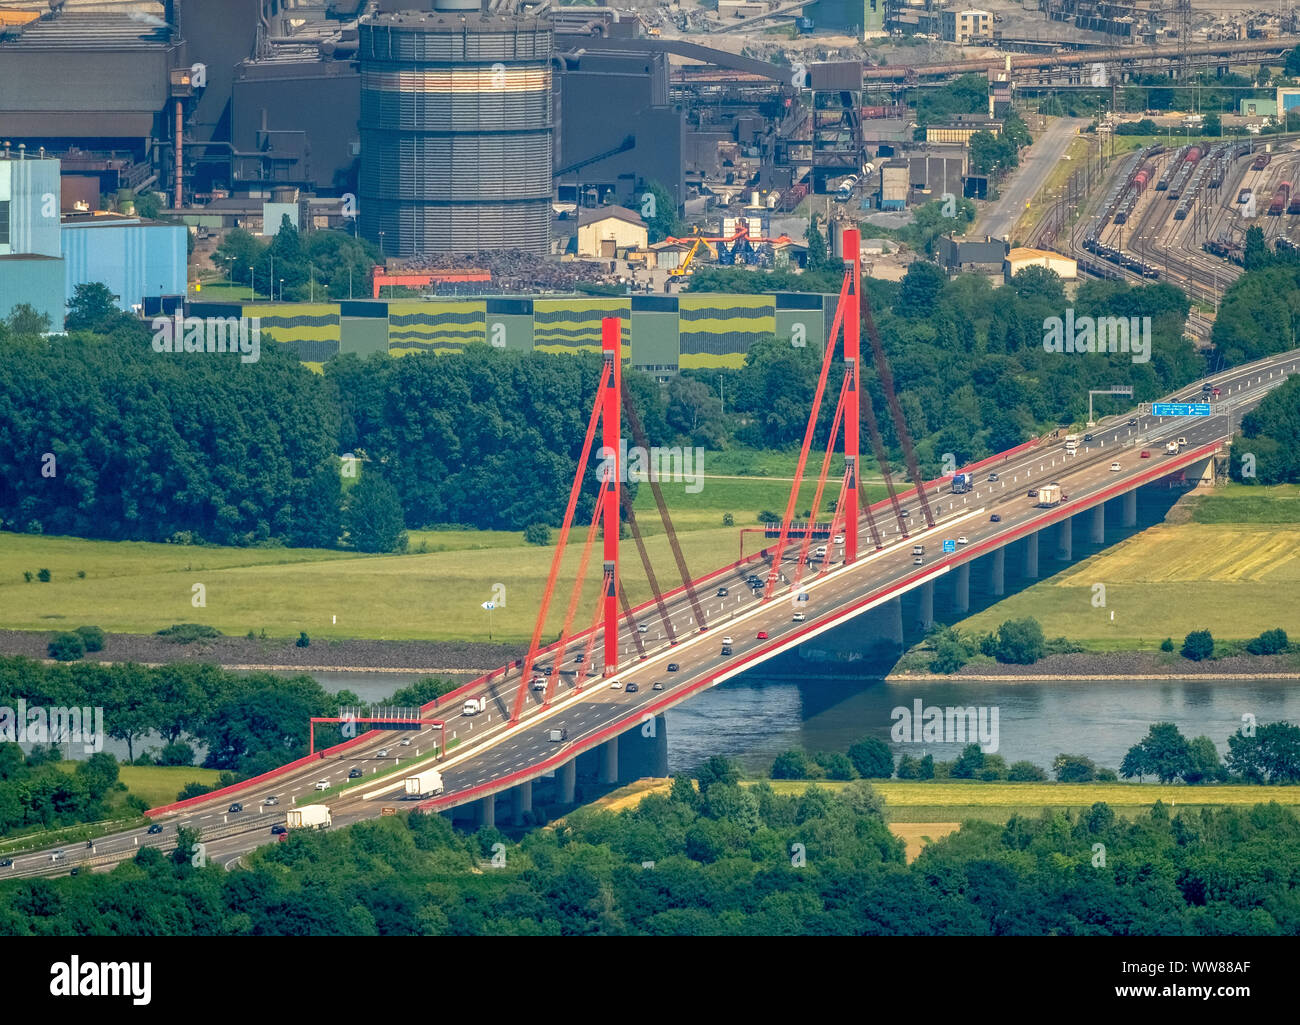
pixel 1180 409
pixel 949 545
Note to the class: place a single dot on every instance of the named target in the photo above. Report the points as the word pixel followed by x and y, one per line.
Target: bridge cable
pixel 626 501
pixel 574 598
pixel 821 482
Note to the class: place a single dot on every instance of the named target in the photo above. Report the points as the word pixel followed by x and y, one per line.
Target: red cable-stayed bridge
pixel 543 713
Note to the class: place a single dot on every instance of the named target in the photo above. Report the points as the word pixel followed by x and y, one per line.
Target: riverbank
pixel 278 654
pixel 1120 665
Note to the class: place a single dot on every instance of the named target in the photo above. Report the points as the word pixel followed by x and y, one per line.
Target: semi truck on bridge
pixel 311 816
pixel 424 784
pixel 962 483
pixel 1049 495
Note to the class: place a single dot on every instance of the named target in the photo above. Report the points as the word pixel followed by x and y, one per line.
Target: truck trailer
pixel 310 816
pixel 962 483
pixel 424 784
pixel 1049 495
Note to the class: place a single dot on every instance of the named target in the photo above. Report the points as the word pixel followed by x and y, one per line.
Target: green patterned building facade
pixel 661 334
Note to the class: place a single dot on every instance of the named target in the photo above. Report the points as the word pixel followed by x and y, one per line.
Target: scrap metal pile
pixel 515 270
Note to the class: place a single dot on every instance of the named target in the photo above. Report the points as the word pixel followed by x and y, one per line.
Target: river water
pixel 754 718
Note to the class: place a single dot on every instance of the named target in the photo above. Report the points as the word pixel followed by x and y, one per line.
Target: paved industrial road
pixel 1024 183
pixel 489 751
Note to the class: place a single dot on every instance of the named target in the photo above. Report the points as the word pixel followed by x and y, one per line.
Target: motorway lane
pixel 491 751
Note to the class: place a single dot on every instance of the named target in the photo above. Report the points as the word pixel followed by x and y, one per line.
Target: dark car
pixel 631 688
pixel 904 512
pixel 75 871
pixel 1033 493
pixel 1132 421
pixel 995 518
pixel 1087 437
pixel 354 773
pixel 722 592
pixel 673 667
pixel 155 828
pixel 547 670
pixel 236 807
pixel 7 863
pixel 726 649
pixel 276 830
pixel 580 657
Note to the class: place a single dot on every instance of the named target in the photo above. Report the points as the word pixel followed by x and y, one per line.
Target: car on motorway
pixel 762 635
pixel 278 829
pixel 546 670
pixel 642 628
pixel 7 863
pixel 272 800
pixel 1114 467
pixel 57 855
pixel 631 688
pixel 838 539
pixel 1182 442
pixel 322 784
pixel 406 742
pixel 615 685
pixel 657 685
pixel 236 807
pixel 727 639
pixel 961 539
pixel 726 649
pixel 539 683
pixel 1146 454
pixel 993 478
pixel 722 592
pixel 995 518
pixel 1032 493
pixel 76 870
pixel 799 617
pixel 580 657
pixel 904 513
pixel 673 667
pixel 1087 437
pixel 354 773
pixel 1132 421
pixel 382 753
pixel 154 829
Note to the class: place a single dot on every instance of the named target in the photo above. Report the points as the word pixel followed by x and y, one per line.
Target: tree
pixel 93 308
pixel 792 764
pixel 1256 254
pixel 92 637
pixel 836 765
pixel 919 293
pixel 318 514
pixel 1074 769
pixel 818 258
pixel 537 534
pixel 1025 772
pixel 1198 645
pixel 663 222
pixel 1162 753
pixel 1270 642
pixel 1020 642
pixel 24 320
pixel 1205 765
pixel 716 769
pixel 1213 125
pixel 66 647
pixel 374 518
pixel 872 758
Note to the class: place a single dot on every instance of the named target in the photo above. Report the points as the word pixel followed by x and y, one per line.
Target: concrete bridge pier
pixel 961 588
pixel 1065 541
pixel 487 811
pixel 997 572
pixel 567 777
pixel 521 801
pixel 609 761
pixel 1097 528
pixel 1130 513
pixel 925 614
pixel 1031 556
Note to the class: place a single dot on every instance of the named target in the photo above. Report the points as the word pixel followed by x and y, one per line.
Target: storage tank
pixel 456 130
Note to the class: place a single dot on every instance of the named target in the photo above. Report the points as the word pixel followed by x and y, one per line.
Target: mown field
pixel 432 592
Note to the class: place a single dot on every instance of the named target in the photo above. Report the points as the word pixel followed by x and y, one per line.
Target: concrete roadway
pixel 1047 151
pixel 489 750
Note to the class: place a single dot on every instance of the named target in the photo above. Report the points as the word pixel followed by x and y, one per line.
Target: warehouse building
pixel 31 262
pixel 136 259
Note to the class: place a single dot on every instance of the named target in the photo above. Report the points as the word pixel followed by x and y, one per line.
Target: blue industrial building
pixel 31 263
pixel 135 258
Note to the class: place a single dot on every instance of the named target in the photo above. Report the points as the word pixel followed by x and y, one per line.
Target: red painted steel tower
pixel 611 343
pixel 852 250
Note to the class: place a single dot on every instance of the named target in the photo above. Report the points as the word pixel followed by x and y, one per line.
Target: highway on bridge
pixel 492 756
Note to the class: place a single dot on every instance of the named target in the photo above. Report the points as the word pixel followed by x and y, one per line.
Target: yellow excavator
pixel 684 267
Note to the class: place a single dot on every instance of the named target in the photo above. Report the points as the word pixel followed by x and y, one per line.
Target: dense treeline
pixel 1268 449
pixel 35 791
pixel 248 722
pixel 101 436
pixel 728 860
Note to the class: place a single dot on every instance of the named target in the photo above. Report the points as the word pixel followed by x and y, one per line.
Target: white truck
pixel 1071 443
pixel 475 705
pixel 309 816
pixel 1049 495
pixel 424 784
pixel 1171 448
